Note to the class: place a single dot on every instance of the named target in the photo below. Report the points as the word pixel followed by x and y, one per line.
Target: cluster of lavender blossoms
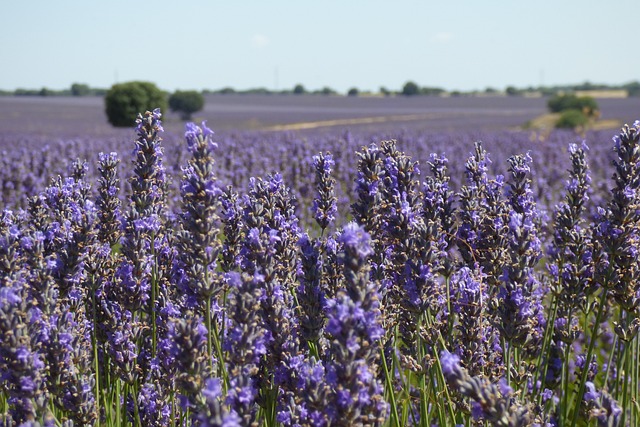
pixel 212 300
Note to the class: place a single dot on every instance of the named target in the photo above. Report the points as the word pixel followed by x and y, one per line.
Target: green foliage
pixel 633 88
pixel 384 91
pixel 186 102
pixel 431 91
pixel 586 104
pixel 410 88
pixel 124 101
pixel 353 92
pixel 572 119
pixel 512 91
pixel 80 89
pixel 299 89
pixel 327 91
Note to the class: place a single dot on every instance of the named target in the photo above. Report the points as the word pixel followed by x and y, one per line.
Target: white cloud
pixel 443 37
pixel 259 41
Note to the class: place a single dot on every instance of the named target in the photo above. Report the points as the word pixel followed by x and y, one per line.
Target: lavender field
pixel 436 267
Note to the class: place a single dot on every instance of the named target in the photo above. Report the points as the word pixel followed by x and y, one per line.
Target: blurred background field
pixel 61 117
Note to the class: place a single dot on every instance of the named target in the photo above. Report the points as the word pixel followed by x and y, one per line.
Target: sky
pixel 276 44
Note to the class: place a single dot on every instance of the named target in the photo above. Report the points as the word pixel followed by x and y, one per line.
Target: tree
pixel 124 101
pixel 586 104
pixel 299 89
pixel 186 103
pixel 353 91
pixel 410 89
pixel 80 89
pixel 431 91
pixel 327 91
pixel 633 88
pixel 512 91
pixel 572 119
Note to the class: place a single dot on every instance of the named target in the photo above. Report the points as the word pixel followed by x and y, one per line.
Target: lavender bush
pixel 327 281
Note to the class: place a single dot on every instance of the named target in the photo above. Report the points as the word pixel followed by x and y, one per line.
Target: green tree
pixel 299 89
pixel 124 101
pixel 512 91
pixel 353 91
pixel 410 89
pixel 80 89
pixel 586 104
pixel 431 91
pixel 633 88
pixel 186 102
pixel 327 91
pixel 572 119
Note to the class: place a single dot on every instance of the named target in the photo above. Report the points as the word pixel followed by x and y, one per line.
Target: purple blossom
pixel 356 239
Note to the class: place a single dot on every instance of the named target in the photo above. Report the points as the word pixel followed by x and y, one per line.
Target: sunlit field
pixel 373 262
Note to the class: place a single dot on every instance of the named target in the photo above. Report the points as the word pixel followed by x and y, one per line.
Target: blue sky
pixel 456 45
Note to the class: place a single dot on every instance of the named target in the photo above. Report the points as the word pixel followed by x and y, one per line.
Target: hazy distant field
pixel 62 117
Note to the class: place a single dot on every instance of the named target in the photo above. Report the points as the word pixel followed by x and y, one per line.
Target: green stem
pixel 424 407
pixel 587 363
pixel 425 420
pixel 634 388
pixel 543 357
pixel 565 374
pixel 207 321
pixel 610 362
pixel 625 386
pixel 507 345
pixel 4 406
pixel 634 383
pixel 117 402
pixel 218 347
pixel 395 419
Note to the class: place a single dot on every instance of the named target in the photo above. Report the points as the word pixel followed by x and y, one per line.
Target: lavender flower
pixel 246 343
pixel 307 393
pixel 212 412
pixel 324 206
pixel 355 336
pixel 22 368
pixel 492 403
pixel 366 209
pixel 186 342
pixel 231 219
pixel 475 342
pixel 602 407
pixel 198 245
pixel 438 198
pixel 619 226
pixel 572 249
pixel 520 301
pixel 108 204
pixel 311 298
pixel 154 410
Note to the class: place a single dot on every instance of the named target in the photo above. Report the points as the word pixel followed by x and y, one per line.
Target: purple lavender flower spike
pixel 355 337
pixel 324 205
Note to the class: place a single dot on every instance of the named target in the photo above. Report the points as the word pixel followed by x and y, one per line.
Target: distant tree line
pixel 410 88
pixel 76 89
